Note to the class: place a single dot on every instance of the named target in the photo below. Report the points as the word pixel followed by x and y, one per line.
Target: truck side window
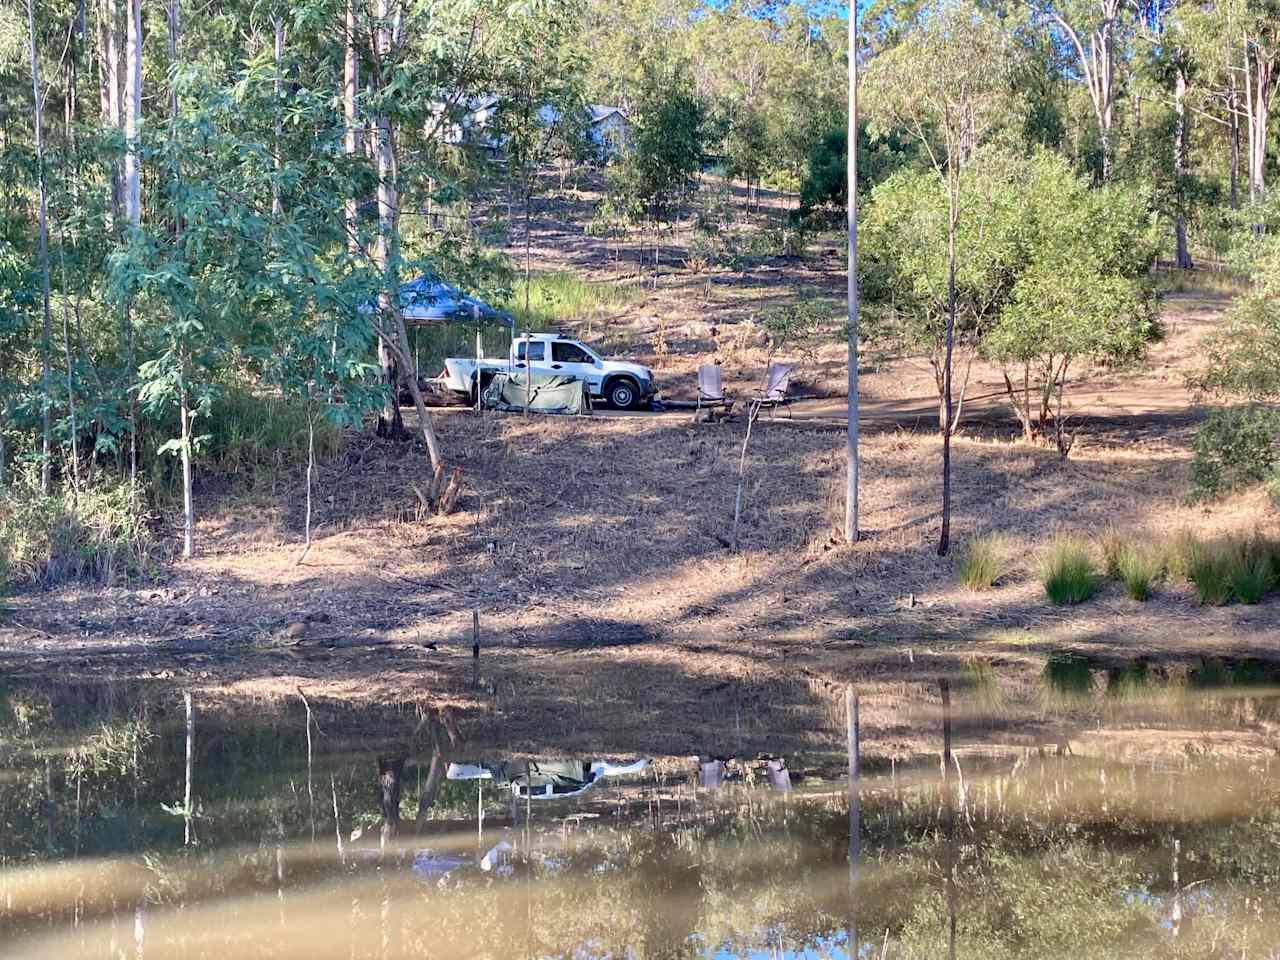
pixel 570 353
pixel 536 350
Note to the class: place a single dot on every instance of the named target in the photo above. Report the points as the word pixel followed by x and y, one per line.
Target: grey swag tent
pixel 546 393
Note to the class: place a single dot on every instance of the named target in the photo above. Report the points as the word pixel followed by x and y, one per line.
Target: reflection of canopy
pixel 429 298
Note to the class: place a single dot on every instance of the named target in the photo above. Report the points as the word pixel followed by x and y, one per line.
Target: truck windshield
pixel 532 351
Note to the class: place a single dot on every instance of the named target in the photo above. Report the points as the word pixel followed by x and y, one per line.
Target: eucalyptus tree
pixel 539 71
pixel 37 123
pixel 1099 33
pixel 946 83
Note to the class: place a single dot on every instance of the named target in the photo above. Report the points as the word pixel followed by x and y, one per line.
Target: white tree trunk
pixel 171 12
pixel 1259 90
pixel 394 338
pixel 350 87
pixel 131 188
pixel 851 174
pixel 46 332
pixel 279 105
pixel 385 251
pixel 109 93
pixel 1179 168
pixel 132 111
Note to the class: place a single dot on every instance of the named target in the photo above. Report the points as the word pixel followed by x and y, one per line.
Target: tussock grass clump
pixel 981 562
pixel 1211 570
pixel 1180 551
pixel 1114 547
pixel 99 534
pixel 1252 571
pixel 1066 570
pixel 1138 567
pixel 1224 570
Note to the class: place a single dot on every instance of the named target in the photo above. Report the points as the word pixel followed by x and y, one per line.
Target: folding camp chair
pixel 777 382
pixel 710 390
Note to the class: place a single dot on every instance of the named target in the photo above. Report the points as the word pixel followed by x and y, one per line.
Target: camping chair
pixel 711 389
pixel 777 381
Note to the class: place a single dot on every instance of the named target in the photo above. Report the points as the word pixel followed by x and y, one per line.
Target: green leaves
pixel 1243 359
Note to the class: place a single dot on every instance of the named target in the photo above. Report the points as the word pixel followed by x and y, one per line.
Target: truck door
pixel 532 353
pixel 571 359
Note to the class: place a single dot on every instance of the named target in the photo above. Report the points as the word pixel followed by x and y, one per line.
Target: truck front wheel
pixel 623 394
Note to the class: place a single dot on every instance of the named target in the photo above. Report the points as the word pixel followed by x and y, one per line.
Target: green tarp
pixel 548 393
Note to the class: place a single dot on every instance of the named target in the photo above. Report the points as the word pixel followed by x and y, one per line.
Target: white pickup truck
pixel 622 385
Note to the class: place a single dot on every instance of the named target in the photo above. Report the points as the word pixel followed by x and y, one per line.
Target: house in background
pixel 610 129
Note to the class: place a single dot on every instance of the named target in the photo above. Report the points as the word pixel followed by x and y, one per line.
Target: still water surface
pixel 336 838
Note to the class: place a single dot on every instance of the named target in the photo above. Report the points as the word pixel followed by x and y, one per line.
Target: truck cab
pixel 622 385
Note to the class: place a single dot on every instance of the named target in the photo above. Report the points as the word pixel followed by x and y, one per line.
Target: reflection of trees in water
pixel 1049 860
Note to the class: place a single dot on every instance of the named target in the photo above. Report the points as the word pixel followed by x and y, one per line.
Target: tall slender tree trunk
pixel 351 140
pixel 132 110
pixel 131 187
pixel 278 160
pixel 184 394
pixel 109 95
pixel 394 338
pixel 350 88
pixel 171 16
pixel 851 178
pixel 66 355
pixel 944 539
pixel 1259 81
pixel 1233 113
pixel 1179 168
pixel 46 330
pixel 391 424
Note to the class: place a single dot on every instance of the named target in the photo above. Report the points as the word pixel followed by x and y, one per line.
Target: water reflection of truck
pixel 626 386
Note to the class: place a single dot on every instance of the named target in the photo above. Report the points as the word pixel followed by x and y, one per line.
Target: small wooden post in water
pixel 855 813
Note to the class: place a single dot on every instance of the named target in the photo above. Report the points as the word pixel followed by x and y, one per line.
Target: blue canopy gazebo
pixel 429 302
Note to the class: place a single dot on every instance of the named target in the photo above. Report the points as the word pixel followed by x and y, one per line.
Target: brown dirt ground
pixel 614 617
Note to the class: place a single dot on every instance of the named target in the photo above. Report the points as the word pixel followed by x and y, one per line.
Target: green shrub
pixel 99 534
pixel 1138 566
pixel 1066 569
pixel 980 563
pixel 1235 447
